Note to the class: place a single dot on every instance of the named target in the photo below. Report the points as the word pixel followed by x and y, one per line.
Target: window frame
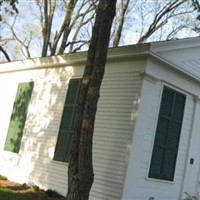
pixel 67 133
pixel 160 176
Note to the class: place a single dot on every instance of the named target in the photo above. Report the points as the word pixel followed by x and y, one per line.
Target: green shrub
pixel 24 185
pixel 3 177
pixel 52 193
pixel 35 188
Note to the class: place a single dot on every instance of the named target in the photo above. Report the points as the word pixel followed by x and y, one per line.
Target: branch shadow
pixel 42 126
pixel 18 118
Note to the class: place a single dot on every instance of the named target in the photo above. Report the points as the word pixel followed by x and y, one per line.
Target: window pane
pixel 64 142
pixel 161 133
pixel 173 135
pixel 72 91
pixel 167 135
pixel 167 101
pixel 62 147
pixel 179 107
pixel 69 145
pixel 67 118
pixel 169 165
pixel 156 162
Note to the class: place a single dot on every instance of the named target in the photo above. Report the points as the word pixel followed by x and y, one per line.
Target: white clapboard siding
pixel 121 151
pixel 140 186
pixel 113 133
pixel 115 119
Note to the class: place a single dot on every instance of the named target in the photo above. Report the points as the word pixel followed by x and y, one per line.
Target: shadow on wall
pixel 42 125
pixel 18 117
pixel 115 119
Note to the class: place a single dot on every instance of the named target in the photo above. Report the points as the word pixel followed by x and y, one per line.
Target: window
pixel 18 117
pixel 64 141
pixel 167 137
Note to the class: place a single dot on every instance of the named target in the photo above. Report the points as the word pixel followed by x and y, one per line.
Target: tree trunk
pixel 119 29
pixel 65 29
pixel 49 8
pixel 80 171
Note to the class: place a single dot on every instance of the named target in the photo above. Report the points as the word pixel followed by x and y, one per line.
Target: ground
pixel 24 191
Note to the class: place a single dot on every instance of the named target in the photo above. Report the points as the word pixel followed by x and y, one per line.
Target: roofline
pixel 118 53
pixel 175 44
pixel 80 58
pixel 171 65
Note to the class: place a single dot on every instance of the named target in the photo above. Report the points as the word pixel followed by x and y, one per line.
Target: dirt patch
pixel 24 189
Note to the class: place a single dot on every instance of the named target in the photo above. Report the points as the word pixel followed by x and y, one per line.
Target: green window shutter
pixel 163 160
pixel 18 117
pixel 64 141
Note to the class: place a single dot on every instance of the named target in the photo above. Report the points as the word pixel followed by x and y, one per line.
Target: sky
pixel 139 17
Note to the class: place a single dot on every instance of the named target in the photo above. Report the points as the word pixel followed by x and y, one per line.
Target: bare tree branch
pixel 80 46
pixel 157 22
pixel 76 19
pixel 77 31
pixel 5 54
pixel 78 15
pixel 64 30
pixel 26 47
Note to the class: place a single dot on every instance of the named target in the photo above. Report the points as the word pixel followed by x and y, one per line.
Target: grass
pixel 8 194
pixel 14 191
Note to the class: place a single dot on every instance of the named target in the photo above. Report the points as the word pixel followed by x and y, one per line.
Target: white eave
pixel 158 49
pixel 173 66
pixel 175 44
pixel 119 53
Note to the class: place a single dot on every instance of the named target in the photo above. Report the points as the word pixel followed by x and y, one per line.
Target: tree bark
pixel 64 30
pixel 49 8
pixel 118 31
pixel 80 171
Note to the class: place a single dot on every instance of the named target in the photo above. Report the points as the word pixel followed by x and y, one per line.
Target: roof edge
pixel 117 53
pixel 175 44
pixel 171 65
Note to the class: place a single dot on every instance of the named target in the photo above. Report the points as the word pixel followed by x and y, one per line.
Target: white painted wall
pixel 191 182
pixel 124 131
pixel 113 128
pixel 182 53
pixel 138 186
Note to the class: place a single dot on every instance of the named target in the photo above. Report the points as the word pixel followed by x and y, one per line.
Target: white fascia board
pixel 173 66
pixel 114 54
pixel 175 44
pixel 44 62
